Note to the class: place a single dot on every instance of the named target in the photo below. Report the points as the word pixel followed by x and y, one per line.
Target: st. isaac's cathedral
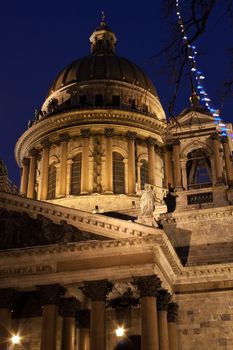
pixel 120 236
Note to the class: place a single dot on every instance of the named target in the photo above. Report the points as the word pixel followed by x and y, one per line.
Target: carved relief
pixel 16 231
pixel 97 155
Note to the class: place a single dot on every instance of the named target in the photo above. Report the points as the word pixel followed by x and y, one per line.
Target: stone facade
pixel 121 220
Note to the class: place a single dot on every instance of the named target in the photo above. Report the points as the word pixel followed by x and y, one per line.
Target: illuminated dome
pixel 102 79
pixel 99 135
pixel 102 66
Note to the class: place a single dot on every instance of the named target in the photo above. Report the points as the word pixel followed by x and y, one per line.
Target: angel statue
pixel 147 200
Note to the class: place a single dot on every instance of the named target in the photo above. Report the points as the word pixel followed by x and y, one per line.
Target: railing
pixel 63 108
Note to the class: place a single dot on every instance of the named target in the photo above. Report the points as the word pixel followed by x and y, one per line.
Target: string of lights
pixel 198 75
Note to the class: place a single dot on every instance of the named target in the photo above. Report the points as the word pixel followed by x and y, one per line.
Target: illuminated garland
pixel 199 76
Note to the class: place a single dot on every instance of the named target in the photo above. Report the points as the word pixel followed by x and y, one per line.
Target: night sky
pixel 39 38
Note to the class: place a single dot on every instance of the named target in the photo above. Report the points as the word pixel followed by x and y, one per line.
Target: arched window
pixel 144 173
pixel 52 181
pixel 198 169
pixel 75 187
pixel 118 173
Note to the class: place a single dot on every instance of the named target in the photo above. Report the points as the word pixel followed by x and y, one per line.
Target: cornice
pixel 199 214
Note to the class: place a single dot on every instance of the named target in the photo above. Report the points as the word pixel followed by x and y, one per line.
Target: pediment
pixel 19 230
pixel 192 118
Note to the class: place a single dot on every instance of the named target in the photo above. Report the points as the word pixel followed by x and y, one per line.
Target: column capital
pixel 168 148
pixel 147 286
pixel 7 298
pixel 64 137
pixel 108 132
pixel 131 135
pixel 25 161
pixel 33 152
pixel 150 141
pixel 85 133
pixel 69 307
pixel 50 294
pixel 163 299
pixel 172 312
pixel 214 136
pixel 176 142
pixel 83 318
pixel 97 290
pixel 46 143
pixel 224 139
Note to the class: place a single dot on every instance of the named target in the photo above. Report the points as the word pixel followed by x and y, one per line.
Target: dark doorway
pixel 131 343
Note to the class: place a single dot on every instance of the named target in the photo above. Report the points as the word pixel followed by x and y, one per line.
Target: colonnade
pixel 158 316
pixel 175 167
pixel 29 165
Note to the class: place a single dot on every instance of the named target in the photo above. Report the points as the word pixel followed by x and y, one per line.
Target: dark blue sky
pixel 39 38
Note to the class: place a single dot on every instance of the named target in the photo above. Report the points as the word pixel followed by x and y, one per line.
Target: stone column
pixel 49 299
pixel 85 133
pixel 163 298
pixel 131 162
pixel 228 160
pixel 6 303
pixel 24 177
pixel 44 170
pixel 172 329
pixel 148 287
pixel 64 138
pixel 83 321
pixel 151 160
pixel 33 153
pixel 68 309
pixel 97 291
pixel 177 165
pixel 217 158
pixel 108 160
pixel 168 168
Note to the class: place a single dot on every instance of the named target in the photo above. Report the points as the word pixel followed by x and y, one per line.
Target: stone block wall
pixel 205 321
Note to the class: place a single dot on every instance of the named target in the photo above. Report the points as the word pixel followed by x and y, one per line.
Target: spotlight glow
pixel 120 331
pixel 15 339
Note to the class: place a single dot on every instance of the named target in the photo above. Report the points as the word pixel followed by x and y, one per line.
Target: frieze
pixel 27 270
